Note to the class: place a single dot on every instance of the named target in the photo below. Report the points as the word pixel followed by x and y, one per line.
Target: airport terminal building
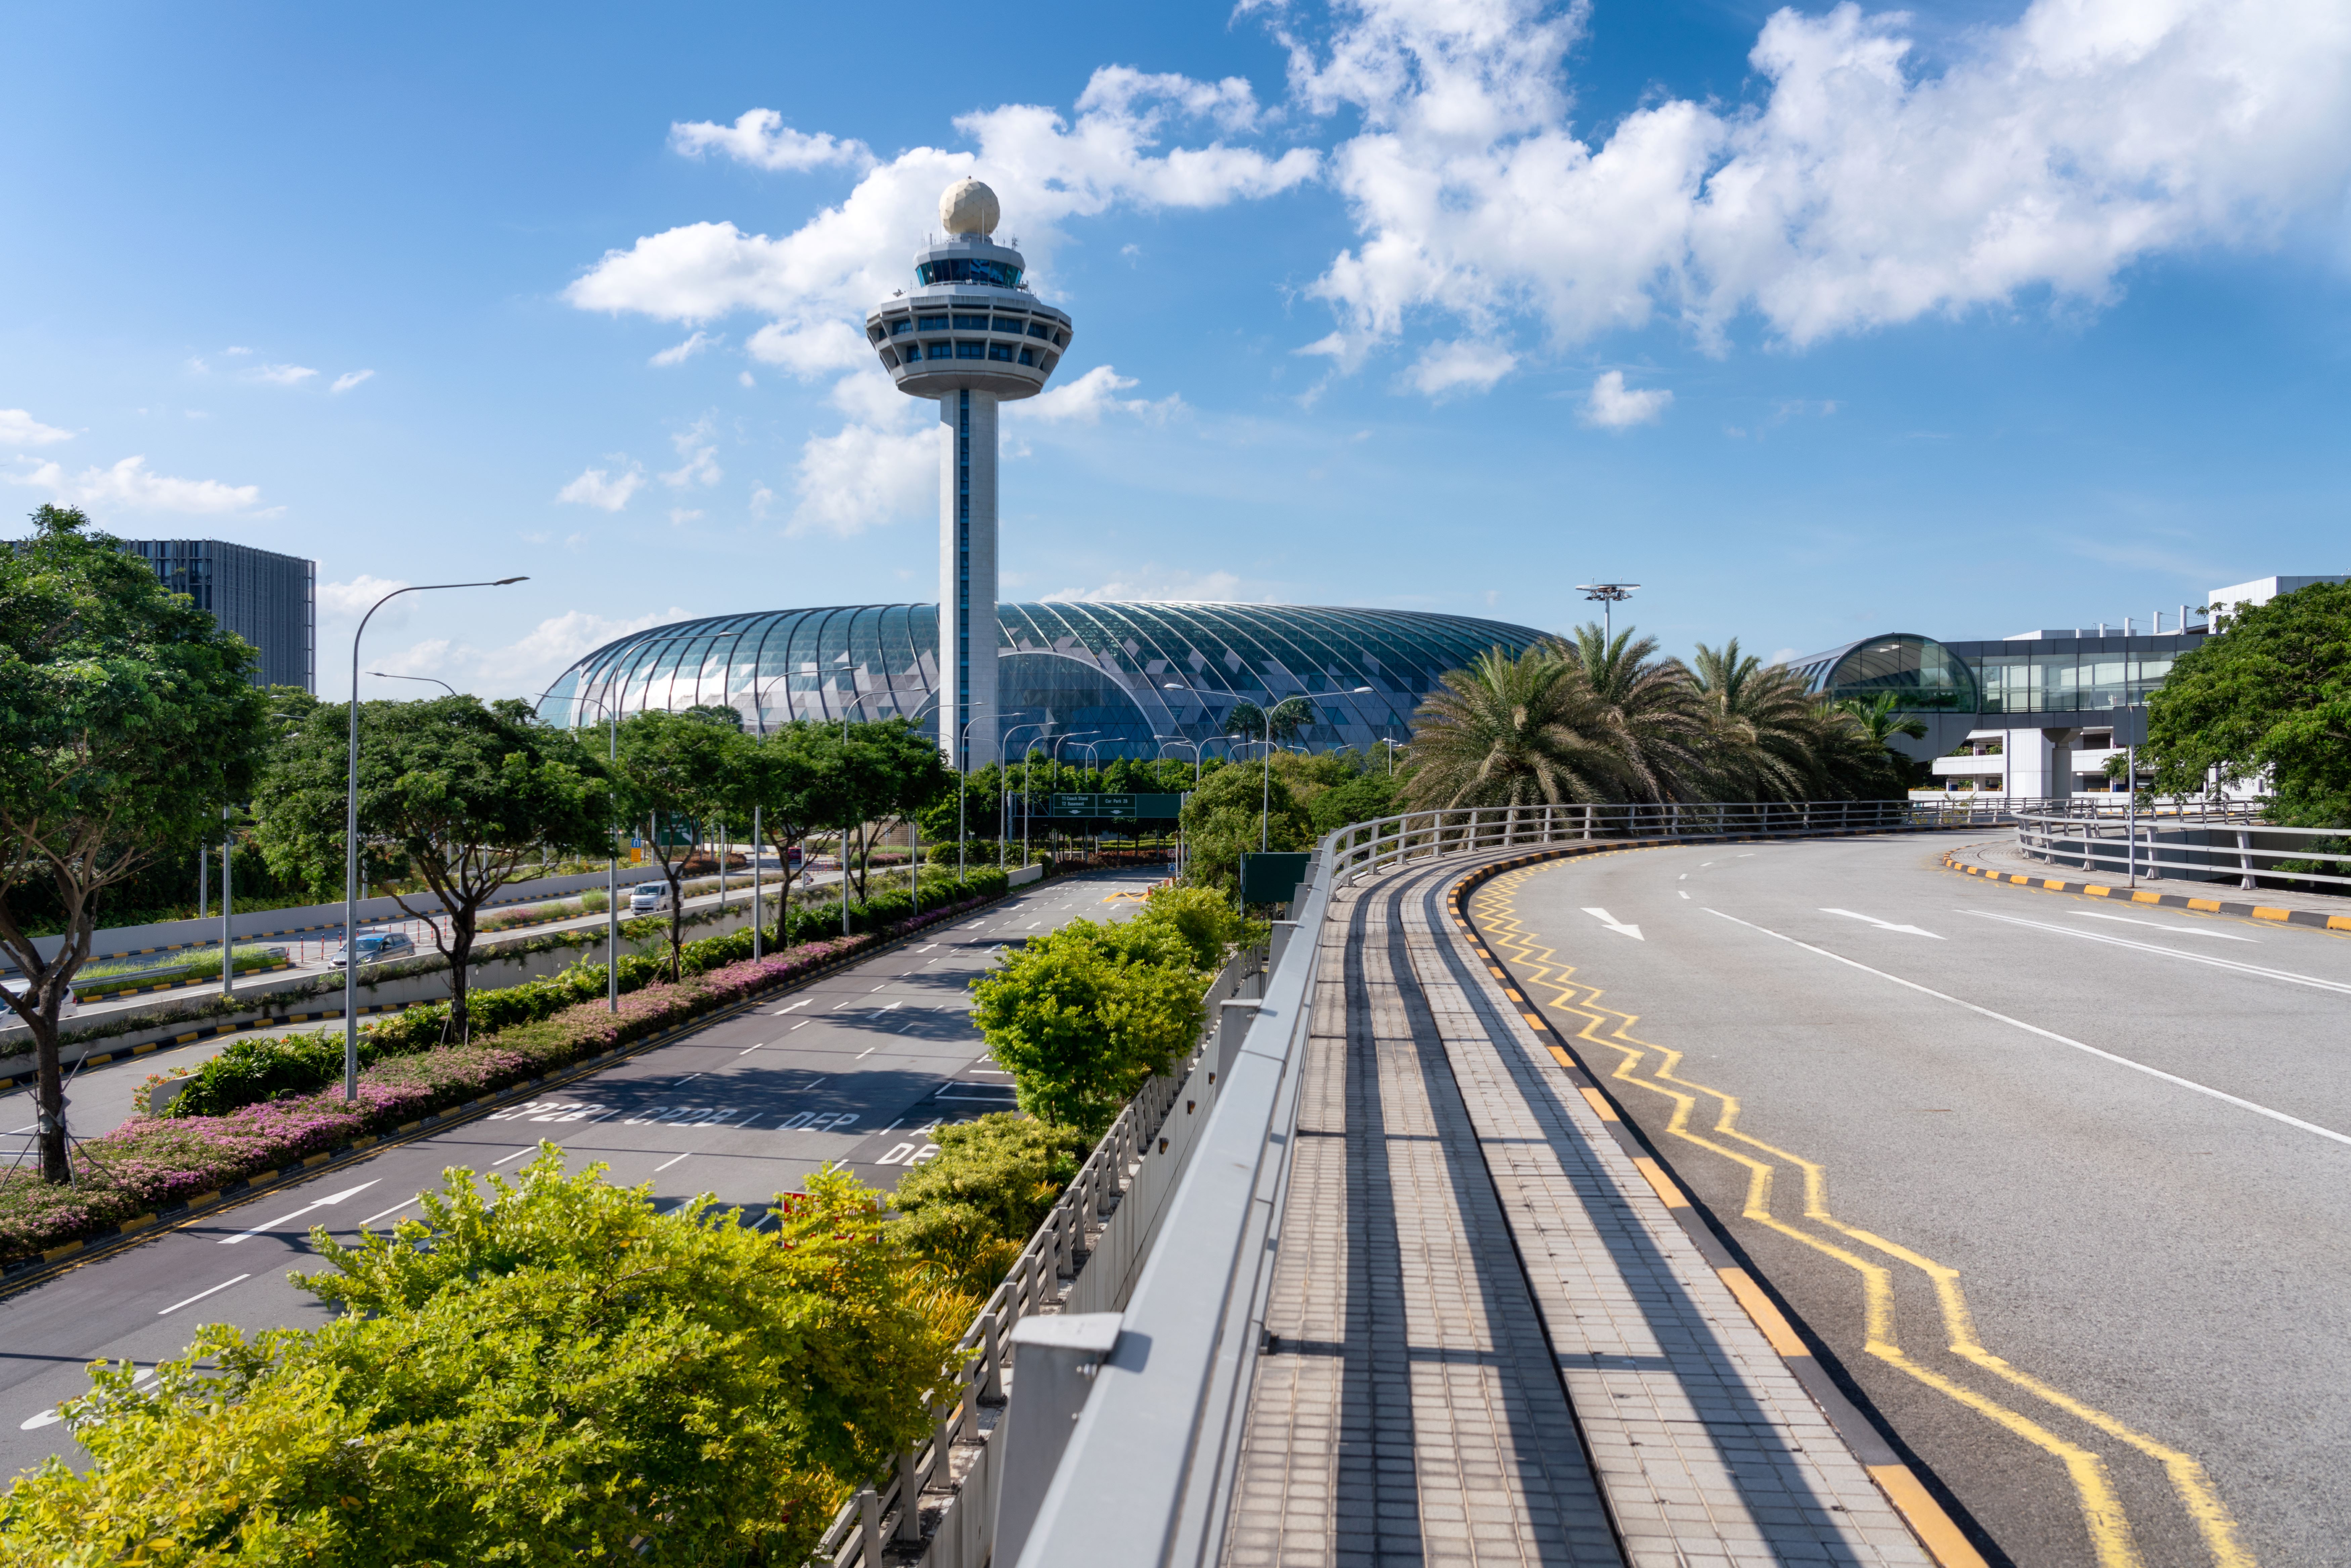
pixel 2035 714
pixel 1101 680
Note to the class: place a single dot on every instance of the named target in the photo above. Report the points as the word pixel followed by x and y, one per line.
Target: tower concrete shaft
pixel 967 625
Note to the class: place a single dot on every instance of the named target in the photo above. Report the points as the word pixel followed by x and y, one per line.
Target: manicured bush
pixel 970 1209
pixel 546 1374
pixel 149 1163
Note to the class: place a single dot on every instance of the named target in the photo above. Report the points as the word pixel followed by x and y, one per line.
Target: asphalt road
pixel 100 1098
pixel 855 1067
pixel 2064 1186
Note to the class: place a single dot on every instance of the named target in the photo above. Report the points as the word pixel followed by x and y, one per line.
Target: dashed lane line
pixel 2102 1514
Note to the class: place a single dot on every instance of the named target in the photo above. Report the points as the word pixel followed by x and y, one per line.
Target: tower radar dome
pixel 968 207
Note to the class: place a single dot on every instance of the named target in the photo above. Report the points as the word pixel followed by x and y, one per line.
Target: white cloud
pixel 18 428
pixel 760 138
pixel 701 454
pixel 1085 400
pixel 236 350
pixel 761 499
pixel 1452 366
pixel 130 484
pixel 598 487
pixel 281 375
pixel 681 516
pixel 1863 191
pixel 1046 169
pixel 349 601
pixel 350 378
pixel 811 350
pixel 678 353
pixel 1612 407
pixel 1156 584
pixel 864 476
pixel 745 378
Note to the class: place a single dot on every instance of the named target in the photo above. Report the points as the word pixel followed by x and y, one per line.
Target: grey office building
pixel 269 599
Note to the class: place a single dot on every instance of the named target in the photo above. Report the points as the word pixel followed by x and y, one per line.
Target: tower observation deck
pixel 971 336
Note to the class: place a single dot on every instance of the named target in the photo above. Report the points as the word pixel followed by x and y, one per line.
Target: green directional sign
pixel 1115 808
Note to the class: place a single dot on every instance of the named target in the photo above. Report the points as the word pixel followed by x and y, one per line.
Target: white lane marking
pixel 1615 925
pixel 314 1203
pixel 2159 925
pixel 396 1208
pixel 2220 1094
pixel 512 1157
pixel 199 1295
pixel 748 1049
pixel 789 1006
pixel 1881 924
pixel 2207 959
pixel 666 1163
pixel 1684 877
pixel 689 1078
pixel 867 1052
pixel 802 1024
pixel 926 947
pixel 1679 890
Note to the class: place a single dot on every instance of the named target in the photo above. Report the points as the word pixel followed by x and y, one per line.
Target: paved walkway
pixel 1490 1341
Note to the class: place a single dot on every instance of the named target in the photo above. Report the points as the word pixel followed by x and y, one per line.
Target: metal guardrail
pixel 2229 844
pixel 1147 1474
pixel 1082 1259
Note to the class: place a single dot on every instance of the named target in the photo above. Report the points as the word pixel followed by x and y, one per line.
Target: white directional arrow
pixel 314 1203
pixel 1881 924
pixel 1615 925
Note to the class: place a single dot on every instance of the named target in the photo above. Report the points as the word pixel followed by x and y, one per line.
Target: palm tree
pixel 1881 719
pixel 1650 711
pixel 1764 740
pixel 1519 730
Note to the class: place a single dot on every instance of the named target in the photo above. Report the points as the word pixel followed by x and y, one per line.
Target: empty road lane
pixel 2065 1188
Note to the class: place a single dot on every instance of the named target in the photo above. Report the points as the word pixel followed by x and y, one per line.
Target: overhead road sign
pixel 1113 807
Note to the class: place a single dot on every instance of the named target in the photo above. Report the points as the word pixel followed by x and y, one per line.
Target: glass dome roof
pixel 1134 675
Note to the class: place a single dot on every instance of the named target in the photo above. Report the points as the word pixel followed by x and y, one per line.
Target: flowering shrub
pixel 153 1162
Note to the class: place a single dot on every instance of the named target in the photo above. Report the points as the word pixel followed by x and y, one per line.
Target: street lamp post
pixel 611 864
pixel 1004 797
pixel 1052 774
pixel 352 838
pixel 1609 595
pixel 1164 742
pixel 428 680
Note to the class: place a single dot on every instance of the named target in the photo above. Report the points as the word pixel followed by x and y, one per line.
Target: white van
pixel 648 898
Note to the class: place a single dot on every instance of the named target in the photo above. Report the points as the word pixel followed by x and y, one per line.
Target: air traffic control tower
pixel 971 336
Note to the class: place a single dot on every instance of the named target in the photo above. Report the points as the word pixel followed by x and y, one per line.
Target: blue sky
pixel 1816 323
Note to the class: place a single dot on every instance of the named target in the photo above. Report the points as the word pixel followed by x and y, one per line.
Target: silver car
pixel 377 948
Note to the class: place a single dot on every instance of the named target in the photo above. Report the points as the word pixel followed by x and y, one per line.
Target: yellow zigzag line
pixel 2101 1510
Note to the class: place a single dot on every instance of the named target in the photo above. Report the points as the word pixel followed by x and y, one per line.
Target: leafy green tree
pixel 677 769
pixel 1522 729
pixel 888 771
pixel 1202 920
pixel 2267 697
pixel 128 718
pixel 1080 1026
pixel 1763 728
pixel 1233 813
pixel 1363 799
pixel 1878 719
pixel 790 775
pixel 546 1374
pixel 463 796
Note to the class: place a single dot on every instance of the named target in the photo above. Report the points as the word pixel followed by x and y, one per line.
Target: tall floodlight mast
pixel 972 335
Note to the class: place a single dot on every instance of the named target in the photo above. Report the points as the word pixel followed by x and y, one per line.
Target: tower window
pixel 971 350
pixel 1009 324
pixel 1000 351
pixel 932 323
pixel 900 325
pixel 1060 339
pixel 971 323
pixel 876 333
pixel 942 350
pixel 1027 356
pixel 1038 330
pixel 890 359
